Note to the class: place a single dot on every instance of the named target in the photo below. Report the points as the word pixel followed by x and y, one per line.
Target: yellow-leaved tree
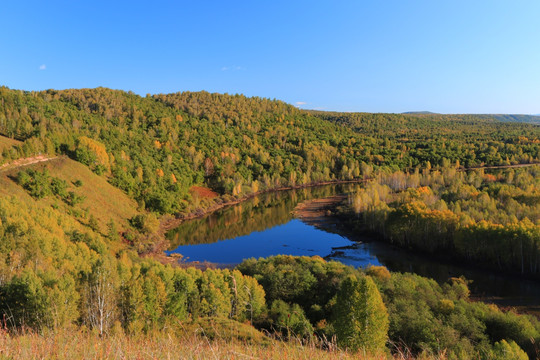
pixel 94 154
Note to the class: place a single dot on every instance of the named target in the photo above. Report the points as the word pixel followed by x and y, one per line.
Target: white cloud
pixel 42 67
pixel 300 103
pixel 233 68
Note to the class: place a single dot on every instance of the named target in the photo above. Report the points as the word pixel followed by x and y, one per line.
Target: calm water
pixel 292 238
pixel 265 226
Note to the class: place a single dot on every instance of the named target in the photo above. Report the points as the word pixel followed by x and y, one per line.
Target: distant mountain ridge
pixel 420 112
pixel 522 118
pixel 531 119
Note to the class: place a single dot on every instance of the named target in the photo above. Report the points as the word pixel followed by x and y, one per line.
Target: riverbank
pixel 169 222
pixel 317 212
pixel 220 203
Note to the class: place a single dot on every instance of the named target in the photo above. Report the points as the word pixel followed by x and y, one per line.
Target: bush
pixel 146 223
pixel 289 320
pixel 38 184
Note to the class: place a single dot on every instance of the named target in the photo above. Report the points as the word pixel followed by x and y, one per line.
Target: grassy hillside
pixel 101 200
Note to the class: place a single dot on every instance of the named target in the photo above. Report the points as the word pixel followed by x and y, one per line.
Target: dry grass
pixel 203 192
pixel 104 201
pixel 83 345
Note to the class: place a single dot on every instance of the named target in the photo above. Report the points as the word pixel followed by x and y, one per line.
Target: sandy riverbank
pixel 315 212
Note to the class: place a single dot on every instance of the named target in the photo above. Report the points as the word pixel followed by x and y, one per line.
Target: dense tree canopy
pixel 424 317
pixel 484 218
pixel 154 148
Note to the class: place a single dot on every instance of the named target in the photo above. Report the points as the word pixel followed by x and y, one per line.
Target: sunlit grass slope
pixel 102 200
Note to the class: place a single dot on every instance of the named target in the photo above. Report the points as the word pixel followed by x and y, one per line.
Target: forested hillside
pixel 533 119
pixel 155 147
pixel 520 118
pixel 473 140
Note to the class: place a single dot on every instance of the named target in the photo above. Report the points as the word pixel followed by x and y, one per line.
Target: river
pixel 266 225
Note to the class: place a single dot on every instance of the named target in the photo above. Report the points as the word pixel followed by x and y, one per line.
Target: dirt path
pixel 26 161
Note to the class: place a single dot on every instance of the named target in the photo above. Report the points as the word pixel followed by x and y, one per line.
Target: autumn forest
pixel 94 181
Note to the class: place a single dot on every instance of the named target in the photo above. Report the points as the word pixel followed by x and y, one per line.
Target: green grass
pixel 103 201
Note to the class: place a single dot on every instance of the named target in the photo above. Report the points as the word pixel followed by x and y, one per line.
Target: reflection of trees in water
pixel 498 288
pixel 256 214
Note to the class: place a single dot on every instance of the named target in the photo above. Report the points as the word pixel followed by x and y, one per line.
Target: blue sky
pixel 376 56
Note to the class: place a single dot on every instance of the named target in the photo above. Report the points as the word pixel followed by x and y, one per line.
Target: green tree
pixel 361 320
pixel 508 351
pixel 290 319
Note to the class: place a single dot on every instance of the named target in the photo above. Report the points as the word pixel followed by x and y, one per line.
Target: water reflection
pixel 484 284
pixel 255 215
pixel 292 238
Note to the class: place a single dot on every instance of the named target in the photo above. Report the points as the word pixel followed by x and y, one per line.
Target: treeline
pixel 156 147
pixel 483 218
